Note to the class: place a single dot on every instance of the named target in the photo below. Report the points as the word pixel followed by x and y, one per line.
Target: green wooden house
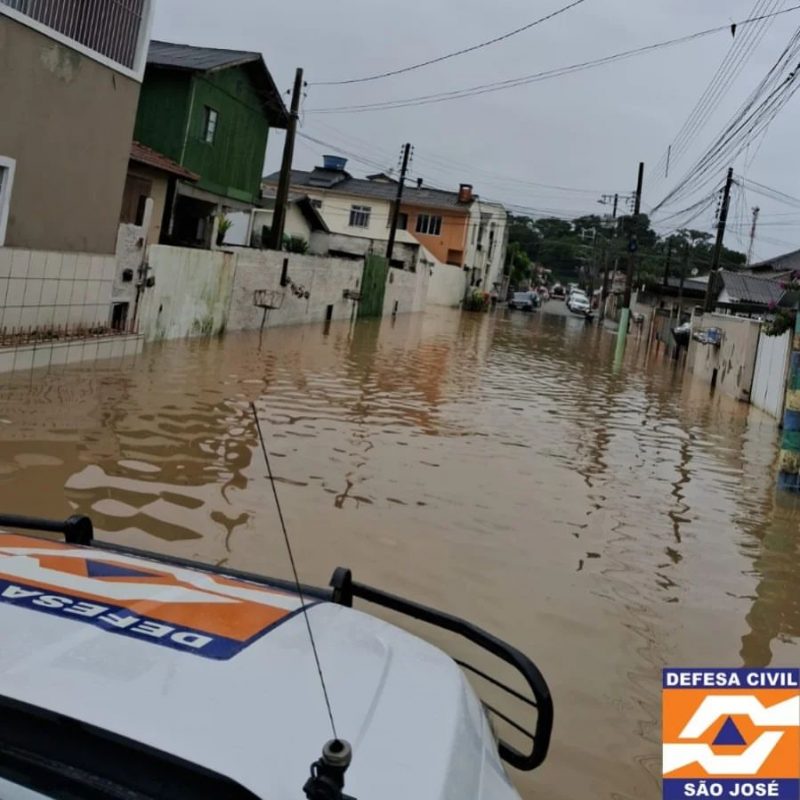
pixel 210 111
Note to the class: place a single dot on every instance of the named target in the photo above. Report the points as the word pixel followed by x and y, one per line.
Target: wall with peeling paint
pixel 191 295
pixel 733 361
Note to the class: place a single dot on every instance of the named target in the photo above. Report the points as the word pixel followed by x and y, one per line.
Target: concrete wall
pixel 68 122
pixel 71 351
pixel 130 253
pixel 132 244
pixel 734 360
pixel 296 224
pixel 191 296
pixel 325 279
pixel 447 286
pixel 409 290
pixel 771 373
pixel 406 248
pixel 50 289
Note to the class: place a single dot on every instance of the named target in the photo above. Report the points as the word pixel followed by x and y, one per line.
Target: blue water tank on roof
pixel 336 163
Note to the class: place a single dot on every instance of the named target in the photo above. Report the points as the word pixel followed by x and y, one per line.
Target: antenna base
pixel 327 773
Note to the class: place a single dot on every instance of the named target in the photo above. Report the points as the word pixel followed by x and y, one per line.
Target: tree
pixel 518 266
pixel 563 247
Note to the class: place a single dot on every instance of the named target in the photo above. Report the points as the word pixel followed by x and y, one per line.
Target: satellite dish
pixel 694 272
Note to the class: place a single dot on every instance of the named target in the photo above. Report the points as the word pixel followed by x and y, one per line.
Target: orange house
pixel 439 220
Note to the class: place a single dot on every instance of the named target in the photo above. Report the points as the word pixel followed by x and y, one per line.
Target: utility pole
pixel 756 212
pixel 711 289
pixel 668 263
pixel 625 316
pixel 607 261
pixel 282 198
pixel 398 201
pixel 632 244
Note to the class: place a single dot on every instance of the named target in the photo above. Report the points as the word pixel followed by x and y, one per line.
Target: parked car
pixel 576 293
pixel 524 301
pixel 578 303
pixel 558 291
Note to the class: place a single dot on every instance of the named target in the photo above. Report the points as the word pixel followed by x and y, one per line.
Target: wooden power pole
pixel 282 198
pixel 609 256
pixel 625 316
pixel 397 203
pixel 632 244
pixel 711 289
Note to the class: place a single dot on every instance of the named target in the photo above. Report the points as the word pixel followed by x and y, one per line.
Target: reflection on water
pixel 607 523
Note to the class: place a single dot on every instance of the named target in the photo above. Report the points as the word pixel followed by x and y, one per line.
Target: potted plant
pixel 223 226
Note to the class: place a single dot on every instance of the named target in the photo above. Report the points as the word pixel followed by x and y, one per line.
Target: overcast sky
pixel 585 131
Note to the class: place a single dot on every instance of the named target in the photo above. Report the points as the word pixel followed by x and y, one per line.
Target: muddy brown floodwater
pixel 608 524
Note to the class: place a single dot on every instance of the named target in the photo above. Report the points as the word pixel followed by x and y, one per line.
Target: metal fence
pixel 109 27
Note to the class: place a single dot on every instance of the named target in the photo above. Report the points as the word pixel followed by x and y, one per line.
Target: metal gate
pixel 373 287
pixel 772 367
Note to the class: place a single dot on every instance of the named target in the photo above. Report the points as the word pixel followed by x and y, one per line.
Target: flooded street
pixel 607 523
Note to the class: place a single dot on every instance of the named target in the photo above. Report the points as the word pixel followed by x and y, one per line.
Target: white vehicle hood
pixel 220 673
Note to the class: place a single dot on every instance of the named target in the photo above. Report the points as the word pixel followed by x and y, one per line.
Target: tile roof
pixel 168 55
pixel 690 284
pixel 143 154
pixel 204 59
pixel 787 262
pixel 751 289
pixel 381 190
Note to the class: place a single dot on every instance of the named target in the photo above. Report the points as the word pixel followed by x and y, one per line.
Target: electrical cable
pixel 728 70
pixel 535 77
pixel 744 127
pixel 454 54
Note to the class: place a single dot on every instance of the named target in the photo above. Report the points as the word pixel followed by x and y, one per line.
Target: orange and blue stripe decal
pixel 188 610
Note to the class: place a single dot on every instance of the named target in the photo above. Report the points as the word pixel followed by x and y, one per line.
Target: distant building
pixel 777 267
pixel 456 228
pixel 209 111
pixel 70 77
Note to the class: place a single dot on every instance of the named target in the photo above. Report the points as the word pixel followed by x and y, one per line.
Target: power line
pixel 454 54
pixel 499 182
pixel 535 77
pixel 746 124
pixel 728 70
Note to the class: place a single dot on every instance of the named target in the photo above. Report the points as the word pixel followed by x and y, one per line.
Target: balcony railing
pixel 111 28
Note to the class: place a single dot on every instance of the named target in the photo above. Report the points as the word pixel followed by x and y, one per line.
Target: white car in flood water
pixel 124 674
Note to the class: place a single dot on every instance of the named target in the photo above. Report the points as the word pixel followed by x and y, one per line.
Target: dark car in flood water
pixel 524 301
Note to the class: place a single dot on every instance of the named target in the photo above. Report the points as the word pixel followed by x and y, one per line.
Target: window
pixel 429 225
pixel 210 125
pixel 316 203
pixel 7 167
pixel 110 30
pixel 359 216
pixel 402 222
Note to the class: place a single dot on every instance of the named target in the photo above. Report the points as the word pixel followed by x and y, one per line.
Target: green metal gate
pixel 373 287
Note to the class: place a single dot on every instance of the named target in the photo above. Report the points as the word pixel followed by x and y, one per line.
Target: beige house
pixel 69 87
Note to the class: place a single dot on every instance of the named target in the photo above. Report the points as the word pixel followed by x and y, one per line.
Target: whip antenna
pixel 298 587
